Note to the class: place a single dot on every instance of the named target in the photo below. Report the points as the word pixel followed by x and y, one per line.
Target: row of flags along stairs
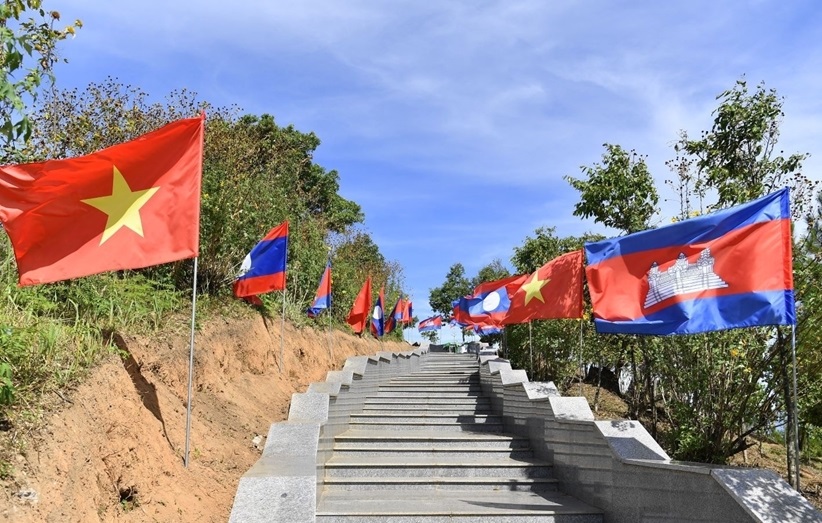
pixel 428 448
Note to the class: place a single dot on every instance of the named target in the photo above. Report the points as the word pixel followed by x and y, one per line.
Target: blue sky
pixel 452 123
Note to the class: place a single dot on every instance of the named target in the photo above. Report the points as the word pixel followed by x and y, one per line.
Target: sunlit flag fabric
pixel 395 318
pixel 378 315
pixel 488 286
pixel 129 206
pixel 552 291
pixel 407 312
pixel 263 269
pixel 484 329
pixel 322 298
pixel 361 309
pixel 430 324
pixel 490 306
pixel 725 270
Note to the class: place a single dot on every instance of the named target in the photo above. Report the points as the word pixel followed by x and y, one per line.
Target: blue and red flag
pixel 378 315
pixel 430 324
pixel 263 269
pixel 490 305
pixel 322 299
pixel 484 329
pixel 395 318
pixel 407 312
pixel 725 270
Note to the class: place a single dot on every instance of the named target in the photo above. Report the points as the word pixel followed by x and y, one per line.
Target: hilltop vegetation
pixel 705 397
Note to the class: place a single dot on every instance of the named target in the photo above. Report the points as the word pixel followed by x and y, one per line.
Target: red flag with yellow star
pixel 132 205
pixel 553 291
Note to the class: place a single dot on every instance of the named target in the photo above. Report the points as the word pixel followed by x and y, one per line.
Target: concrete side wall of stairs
pixel 618 467
pixel 283 485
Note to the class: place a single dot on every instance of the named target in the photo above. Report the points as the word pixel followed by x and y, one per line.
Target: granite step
pixel 441 483
pixel 425 466
pixel 409 395
pixel 430 387
pixel 479 401
pixel 427 439
pixel 441 506
pixel 444 426
pixel 423 410
pixel 487 453
pixel 427 417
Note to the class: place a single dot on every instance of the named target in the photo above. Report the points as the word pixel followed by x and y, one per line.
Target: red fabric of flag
pixel 553 291
pixel 129 206
pixel 361 310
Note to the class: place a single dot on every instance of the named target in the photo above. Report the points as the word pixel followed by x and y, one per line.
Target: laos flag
pixel 490 305
pixel 263 269
pixel 378 316
pixel 725 270
pixel 322 299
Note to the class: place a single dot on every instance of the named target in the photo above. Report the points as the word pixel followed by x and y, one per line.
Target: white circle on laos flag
pixel 377 312
pixel 491 301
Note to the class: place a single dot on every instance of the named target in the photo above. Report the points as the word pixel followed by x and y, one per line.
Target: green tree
pixel 555 344
pixel 28 52
pixel 807 275
pixel 619 192
pixel 256 174
pixel 493 271
pixel 736 161
pixel 455 286
pixel 737 158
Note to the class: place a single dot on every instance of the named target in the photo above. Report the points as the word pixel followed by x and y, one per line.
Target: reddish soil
pixel 113 450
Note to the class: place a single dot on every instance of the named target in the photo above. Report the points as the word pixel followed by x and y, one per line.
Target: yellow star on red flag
pixel 122 206
pixel 533 288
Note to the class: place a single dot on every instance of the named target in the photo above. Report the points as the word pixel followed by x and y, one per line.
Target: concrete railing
pixel 619 468
pixel 282 486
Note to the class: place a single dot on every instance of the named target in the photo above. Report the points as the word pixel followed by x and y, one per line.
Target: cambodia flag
pixel 377 317
pixel 322 299
pixel 358 315
pixel 430 324
pixel 263 269
pixel 725 270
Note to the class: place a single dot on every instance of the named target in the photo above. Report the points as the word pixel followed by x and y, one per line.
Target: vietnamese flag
pixel 553 291
pixel 407 311
pixel 129 206
pixel 361 310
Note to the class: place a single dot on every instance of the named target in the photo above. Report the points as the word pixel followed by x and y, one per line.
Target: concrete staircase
pixel 428 448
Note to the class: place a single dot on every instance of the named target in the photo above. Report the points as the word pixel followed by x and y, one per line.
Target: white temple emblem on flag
pixel 682 277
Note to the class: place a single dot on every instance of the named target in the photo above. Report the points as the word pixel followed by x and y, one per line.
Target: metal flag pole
pixel 581 368
pixel 191 365
pixel 282 334
pixel 795 409
pixel 328 332
pixel 531 349
pixel 282 317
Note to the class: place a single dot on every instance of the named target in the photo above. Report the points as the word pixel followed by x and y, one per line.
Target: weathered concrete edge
pixel 761 495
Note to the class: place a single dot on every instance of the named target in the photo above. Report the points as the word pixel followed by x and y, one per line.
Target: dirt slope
pixel 113 449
